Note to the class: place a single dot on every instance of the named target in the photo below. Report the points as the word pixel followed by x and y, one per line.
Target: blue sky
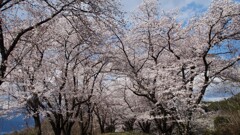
pixel 130 5
pixel 188 7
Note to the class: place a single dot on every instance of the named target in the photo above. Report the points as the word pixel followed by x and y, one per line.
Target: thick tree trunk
pixel 68 128
pixel 145 126
pixel 57 131
pixel 164 127
pixel 56 125
pixel 102 127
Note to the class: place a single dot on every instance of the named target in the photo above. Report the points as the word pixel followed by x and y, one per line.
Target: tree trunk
pixel 57 131
pixel 84 124
pixel 37 123
pixel 102 127
pixel 101 121
pixel 55 125
pixel 145 126
pixel 187 130
pixel 3 66
pixel 68 128
pixel 164 127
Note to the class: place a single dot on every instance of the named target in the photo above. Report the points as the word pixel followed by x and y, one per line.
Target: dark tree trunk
pixel 102 127
pixel 128 124
pixel 56 124
pixel 101 120
pixel 188 130
pixel 84 124
pixel 86 118
pixel 111 125
pixel 68 128
pixel 145 126
pixel 3 66
pixel 164 127
pixel 37 123
pixel 33 107
pixel 57 130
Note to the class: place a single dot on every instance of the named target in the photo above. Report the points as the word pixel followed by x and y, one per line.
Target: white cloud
pixel 213 99
pixel 171 4
pixel 130 5
pixel 189 8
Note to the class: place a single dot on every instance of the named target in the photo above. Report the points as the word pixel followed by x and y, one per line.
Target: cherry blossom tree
pixel 68 60
pixel 108 104
pixel 20 19
pixel 172 64
pixel 17 19
pixel 72 75
pixel 56 73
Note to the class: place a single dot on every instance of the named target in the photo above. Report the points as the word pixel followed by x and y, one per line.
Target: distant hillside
pixel 228 120
pixel 231 104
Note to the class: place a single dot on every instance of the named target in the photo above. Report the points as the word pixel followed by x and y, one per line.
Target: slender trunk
pixel 102 127
pixel 91 124
pixel 83 129
pixel 3 66
pixel 101 121
pixel 188 126
pixel 84 124
pixel 37 122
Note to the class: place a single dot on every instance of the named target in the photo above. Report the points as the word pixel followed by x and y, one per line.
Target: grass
pixel 31 131
pixel 228 121
pixel 28 131
pixel 126 133
pixel 47 130
pixel 231 104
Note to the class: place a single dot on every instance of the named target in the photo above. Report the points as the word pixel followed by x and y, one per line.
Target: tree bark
pixel 68 128
pixel 38 126
pixel 3 66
